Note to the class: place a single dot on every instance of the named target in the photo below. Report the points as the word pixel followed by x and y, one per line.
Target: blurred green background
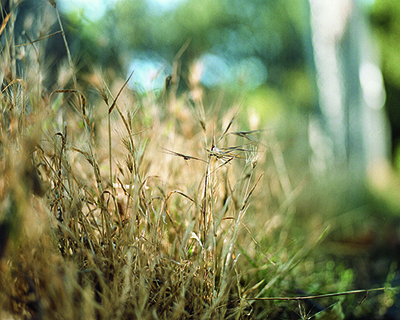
pixel 325 76
pixel 289 59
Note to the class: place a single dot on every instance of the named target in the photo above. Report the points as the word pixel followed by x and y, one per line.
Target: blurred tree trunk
pixel 350 85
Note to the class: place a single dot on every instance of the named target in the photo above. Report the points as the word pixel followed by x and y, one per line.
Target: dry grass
pixel 132 207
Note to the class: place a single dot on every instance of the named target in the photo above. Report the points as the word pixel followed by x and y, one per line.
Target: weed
pixel 139 207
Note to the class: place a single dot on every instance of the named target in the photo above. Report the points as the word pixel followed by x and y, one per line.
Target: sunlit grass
pixel 142 206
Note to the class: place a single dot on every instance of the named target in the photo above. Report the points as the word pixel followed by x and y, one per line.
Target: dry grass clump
pixel 134 207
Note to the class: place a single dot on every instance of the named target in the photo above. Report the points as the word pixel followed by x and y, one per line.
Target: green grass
pixel 134 206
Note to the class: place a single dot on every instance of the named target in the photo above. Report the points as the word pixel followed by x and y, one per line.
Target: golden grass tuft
pixel 131 207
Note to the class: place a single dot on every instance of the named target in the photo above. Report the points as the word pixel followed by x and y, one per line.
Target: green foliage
pixel 276 33
pixel 384 17
pixel 267 104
